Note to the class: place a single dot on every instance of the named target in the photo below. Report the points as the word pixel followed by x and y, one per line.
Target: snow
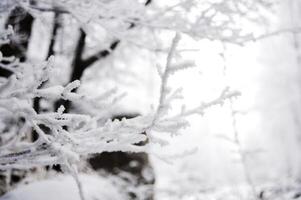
pixel 64 188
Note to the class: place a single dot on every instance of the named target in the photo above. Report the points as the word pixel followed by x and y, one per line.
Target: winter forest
pixel 150 100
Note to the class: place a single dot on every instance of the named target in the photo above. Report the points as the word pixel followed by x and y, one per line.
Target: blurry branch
pixel 99 55
pixel 294 105
pixel 77 66
pixel 205 25
pixel 56 25
pixel 50 9
pixel 226 94
pixel 243 154
pixel 170 158
pixel 148 2
pixel 236 140
pixel 72 169
pixel 62 10
pixel 295 30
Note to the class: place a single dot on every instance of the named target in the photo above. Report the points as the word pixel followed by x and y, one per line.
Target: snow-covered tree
pixel 45 120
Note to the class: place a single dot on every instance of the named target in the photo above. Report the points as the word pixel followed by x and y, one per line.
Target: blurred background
pixel 264 121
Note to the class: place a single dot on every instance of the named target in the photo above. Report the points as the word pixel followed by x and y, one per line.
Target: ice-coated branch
pixel 213 20
pixel 225 95
pixel 164 90
pixel 164 100
pixel 173 124
pixel 55 144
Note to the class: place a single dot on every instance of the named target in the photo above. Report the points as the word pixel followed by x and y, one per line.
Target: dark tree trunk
pixel 136 164
pixel 21 21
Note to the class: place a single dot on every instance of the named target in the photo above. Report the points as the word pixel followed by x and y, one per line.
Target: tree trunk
pixel 136 164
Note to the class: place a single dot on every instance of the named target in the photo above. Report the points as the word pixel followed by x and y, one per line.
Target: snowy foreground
pixel 287 191
pixel 63 187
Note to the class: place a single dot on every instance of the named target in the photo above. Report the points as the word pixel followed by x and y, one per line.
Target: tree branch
pixel 101 54
pixel 147 2
pixel 104 53
pixel 56 26
pixel 78 67
pixel 46 9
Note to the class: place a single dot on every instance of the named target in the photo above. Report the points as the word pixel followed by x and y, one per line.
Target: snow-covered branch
pixel 162 123
pixel 213 20
pixel 85 134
